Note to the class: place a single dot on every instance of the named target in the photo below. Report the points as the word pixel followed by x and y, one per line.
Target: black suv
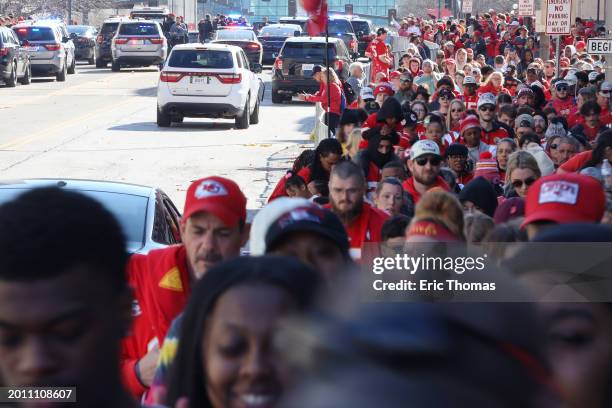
pixel 103 41
pixel 292 70
pixel 364 32
pixel 14 60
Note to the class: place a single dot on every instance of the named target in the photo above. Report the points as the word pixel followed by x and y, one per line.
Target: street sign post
pixel 558 17
pixel 466 6
pixel 599 46
pixel 526 8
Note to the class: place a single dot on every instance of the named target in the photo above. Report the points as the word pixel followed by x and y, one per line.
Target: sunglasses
pixel 527 182
pixel 487 108
pixel 554 146
pixel 457 110
pixel 562 89
pixel 605 92
pixel 445 97
pixel 434 161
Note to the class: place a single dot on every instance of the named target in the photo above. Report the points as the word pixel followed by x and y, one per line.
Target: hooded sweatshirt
pixel 480 192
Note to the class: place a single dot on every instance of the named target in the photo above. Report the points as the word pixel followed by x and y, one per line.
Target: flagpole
pixel 327 114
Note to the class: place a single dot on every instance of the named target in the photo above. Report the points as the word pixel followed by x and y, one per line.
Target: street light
pixel 514 6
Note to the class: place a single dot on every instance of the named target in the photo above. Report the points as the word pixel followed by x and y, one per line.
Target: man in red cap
pixel 563 199
pixel 213 228
pixel 383 91
pixel 377 52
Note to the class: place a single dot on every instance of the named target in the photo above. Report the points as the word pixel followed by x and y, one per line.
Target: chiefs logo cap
pixel 219 196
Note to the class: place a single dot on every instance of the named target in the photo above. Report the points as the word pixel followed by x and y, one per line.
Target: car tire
pixel 11 81
pixel 100 64
pixel 163 119
pixel 276 97
pixel 27 76
pixel 242 121
pixel 61 76
pixel 177 119
pixel 72 68
pixel 115 67
pixel 254 119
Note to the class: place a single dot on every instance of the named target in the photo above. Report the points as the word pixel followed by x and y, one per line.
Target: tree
pixel 51 7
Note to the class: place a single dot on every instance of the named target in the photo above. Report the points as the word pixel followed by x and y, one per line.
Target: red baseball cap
pixel 384 88
pixel 565 198
pixel 394 75
pixel 219 196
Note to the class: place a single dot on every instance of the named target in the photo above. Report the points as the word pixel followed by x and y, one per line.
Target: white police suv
pixel 209 81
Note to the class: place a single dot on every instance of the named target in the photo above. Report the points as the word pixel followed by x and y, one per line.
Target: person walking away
pixel 377 52
pixel 333 112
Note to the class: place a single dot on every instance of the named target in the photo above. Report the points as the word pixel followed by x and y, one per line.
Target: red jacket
pixel 365 229
pixel 489 88
pixel 563 107
pixel 471 101
pixel 371 123
pixel 161 286
pixel 493 136
pixel 336 98
pixel 416 196
pixel 279 190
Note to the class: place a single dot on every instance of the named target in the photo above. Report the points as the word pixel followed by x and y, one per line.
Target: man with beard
pixel 492 130
pixel 213 228
pixel 407 90
pixel 373 159
pixel 562 102
pixel 362 222
pixel 424 165
pixel 64 301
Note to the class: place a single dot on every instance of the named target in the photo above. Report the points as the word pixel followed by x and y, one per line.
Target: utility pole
pixel 69 12
pixel 608 23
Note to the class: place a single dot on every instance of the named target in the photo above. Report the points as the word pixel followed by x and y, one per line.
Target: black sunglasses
pixel 434 161
pixel 562 89
pixel 554 146
pixel 487 108
pixel 527 182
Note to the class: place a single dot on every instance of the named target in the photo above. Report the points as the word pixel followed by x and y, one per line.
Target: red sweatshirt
pixel 161 287
pixel 336 98
pixel 279 190
pixel 416 196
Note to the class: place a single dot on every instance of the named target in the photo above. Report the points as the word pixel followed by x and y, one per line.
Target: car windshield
pixel 277 32
pixel 306 50
pixel 150 16
pixel 109 28
pixel 138 29
pixel 296 22
pixel 201 59
pixel 35 33
pixel 361 26
pixel 235 35
pixel 129 210
pixel 79 30
pixel 340 26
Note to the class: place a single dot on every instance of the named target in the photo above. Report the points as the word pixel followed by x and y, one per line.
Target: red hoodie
pixel 371 123
pixel 336 98
pixel 279 190
pixel 416 196
pixel 490 88
pixel 161 286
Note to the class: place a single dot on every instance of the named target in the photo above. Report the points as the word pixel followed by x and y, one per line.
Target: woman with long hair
pixel 522 171
pixel 333 112
pixel 461 59
pixel 226 355
pixel 494 84
pixel 456 112
pixel 421 110
pixel 505 147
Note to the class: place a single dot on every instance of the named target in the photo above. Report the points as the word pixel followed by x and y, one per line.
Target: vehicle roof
pixel 281 25
pixel 77 184
pixel 207 46
pixel 299 18
pixel 80 25
pixel 138 21
pixel 115 19
pixel 36 24
pixel 313 39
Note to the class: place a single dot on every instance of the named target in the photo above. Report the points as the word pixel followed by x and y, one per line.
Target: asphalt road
pixel 101 125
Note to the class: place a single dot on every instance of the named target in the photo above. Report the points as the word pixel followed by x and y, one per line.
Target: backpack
pixel 349 93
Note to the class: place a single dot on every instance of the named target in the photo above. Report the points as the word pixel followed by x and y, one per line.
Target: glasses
pixel 527 182
pixel 605 92
pixel 406 81
pixel 562 89
pixel 487 108
pixel 445 97
pixel 554 146
pixel 434 161
pixel 457 110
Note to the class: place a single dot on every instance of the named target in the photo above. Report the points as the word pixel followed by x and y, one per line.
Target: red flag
pixel 317 12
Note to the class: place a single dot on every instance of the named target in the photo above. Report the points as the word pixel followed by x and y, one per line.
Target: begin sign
pixel 599 46
pixel 558 17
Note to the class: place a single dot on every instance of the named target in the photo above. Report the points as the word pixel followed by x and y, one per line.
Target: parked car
pixel 243 38
pixel 272 37
pixel 138 43
pixel 300 20
pixel 341 27
pixel 14 60
pixel 364 30
pixel 209 81
pixel 149 218
pixel 84 39
pixel 292 70
pixel 104 39
pixel 50 49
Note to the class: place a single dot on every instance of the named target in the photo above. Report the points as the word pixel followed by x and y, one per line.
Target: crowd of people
pixel 507 155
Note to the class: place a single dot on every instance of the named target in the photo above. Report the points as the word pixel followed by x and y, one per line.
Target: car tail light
pixel 338 65
pixel 120 40
pixel 52 47
pixel 353 44
pixel 4 52
pixel 253 46
pixel 156 40
pixel 229 78
pixel 100 39
pixel 171 76
pixel 278 63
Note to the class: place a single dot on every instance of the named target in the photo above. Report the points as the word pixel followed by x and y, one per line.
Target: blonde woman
pixel 521 172
pixel 352 144
pixel 461 58
pixel 494 85
pixel 456 112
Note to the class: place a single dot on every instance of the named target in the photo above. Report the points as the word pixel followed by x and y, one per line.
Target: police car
pixel 209 81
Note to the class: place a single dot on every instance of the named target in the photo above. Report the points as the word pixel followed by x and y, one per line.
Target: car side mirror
pixel 73 36
pixel 256 68
pixel 65 39
pixel 297 33
pixel 359 33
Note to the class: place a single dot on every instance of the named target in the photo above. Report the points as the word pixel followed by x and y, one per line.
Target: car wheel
pixel 254 119
pixel 163 119
pixel 177 119
pixel 61 76
pixel 27 76
pixel 115 67
pixel 242 121
pixel 72 68
pixel 100 63
pixel 276 97
pixel 11 81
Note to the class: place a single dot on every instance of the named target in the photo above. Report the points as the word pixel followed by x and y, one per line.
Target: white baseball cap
pixel 593 76
pixel 486 99
pixel 423 147
pixel 469 80
pixel 367 93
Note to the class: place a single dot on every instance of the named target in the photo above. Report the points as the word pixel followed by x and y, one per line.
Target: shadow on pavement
pixel 152 91
pixel 180 127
